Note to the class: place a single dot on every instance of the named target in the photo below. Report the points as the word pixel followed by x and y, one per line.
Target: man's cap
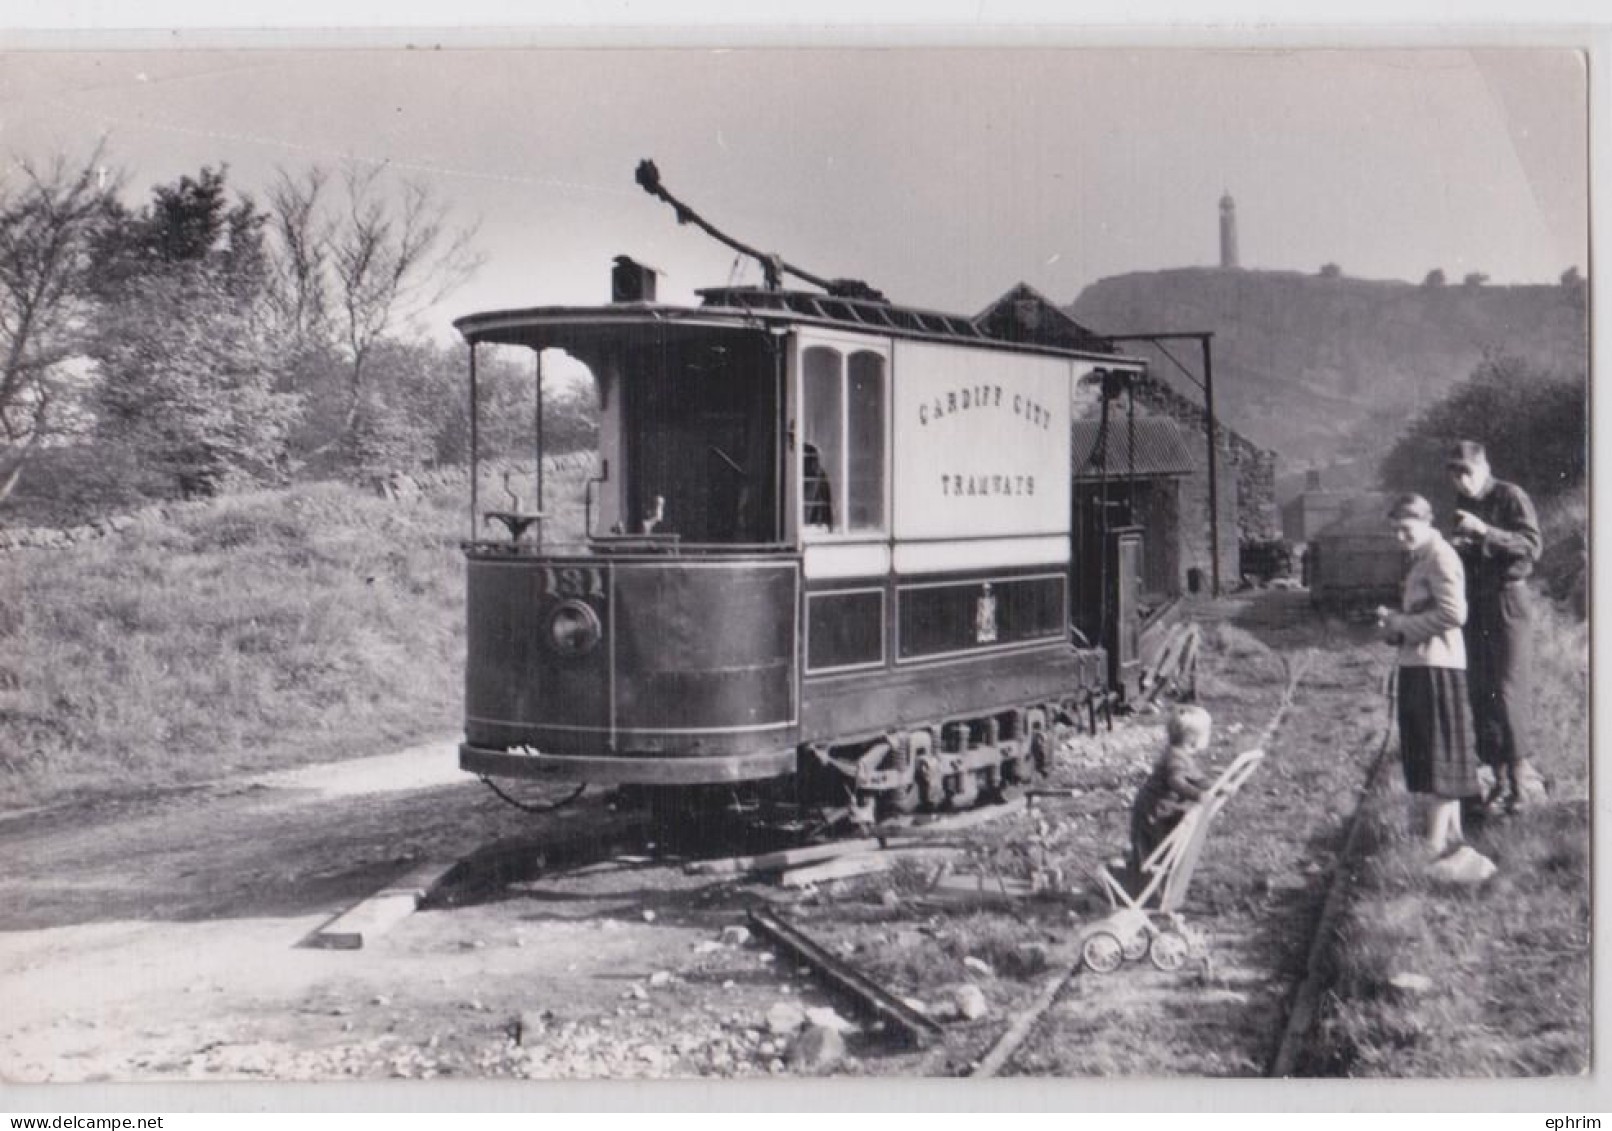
pixel 1466 453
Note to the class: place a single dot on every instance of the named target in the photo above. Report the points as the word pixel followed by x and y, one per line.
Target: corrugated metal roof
pixel 1160 448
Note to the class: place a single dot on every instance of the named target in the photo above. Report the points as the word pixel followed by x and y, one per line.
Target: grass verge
pixel 264 630
pixel 1487 982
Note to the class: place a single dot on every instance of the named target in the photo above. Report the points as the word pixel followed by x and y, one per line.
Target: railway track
pixel 1270 949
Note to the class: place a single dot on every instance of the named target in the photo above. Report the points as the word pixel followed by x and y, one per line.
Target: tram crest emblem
pixel 985 616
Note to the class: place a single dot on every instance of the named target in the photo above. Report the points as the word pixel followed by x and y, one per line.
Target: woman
pixel 1434 736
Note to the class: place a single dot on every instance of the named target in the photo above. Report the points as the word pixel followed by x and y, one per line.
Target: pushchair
pixel 1148 922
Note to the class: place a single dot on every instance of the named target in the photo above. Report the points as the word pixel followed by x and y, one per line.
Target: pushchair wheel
pixel 1135 946
pixel 1169 950
pixel 1103 952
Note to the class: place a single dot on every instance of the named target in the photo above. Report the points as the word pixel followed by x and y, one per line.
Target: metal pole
pixel 537 354
pixel 1214 493
pixel 475 444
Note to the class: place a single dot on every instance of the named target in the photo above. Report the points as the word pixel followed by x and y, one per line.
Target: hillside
pixel 1325 368
pixel 207 640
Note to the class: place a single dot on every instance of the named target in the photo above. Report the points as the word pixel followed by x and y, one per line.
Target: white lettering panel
pixel 981 442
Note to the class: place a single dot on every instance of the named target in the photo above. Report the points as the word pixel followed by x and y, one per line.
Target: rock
pixel 1034 956
pixel 826 1017
pixel 660 978
pixel 971 1003
pixel 636 991
pixel 785 1019
pixel 1410 983
pixel 528 1027
pixel 735 936
pixel 945 1010
pixel 915 1004
pixel 817 1049
pixel 1465 867
pixel 978 966
pixel 707 946
pixel 380 999
pixel 767 1048
pixel 649 916
pixel 766 957
pixel 889 900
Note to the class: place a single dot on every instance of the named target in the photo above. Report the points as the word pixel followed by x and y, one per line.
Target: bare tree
pixel 48 217
pixel 299 292
pixel 391 257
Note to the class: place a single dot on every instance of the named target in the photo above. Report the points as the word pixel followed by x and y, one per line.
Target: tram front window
pixel 701 434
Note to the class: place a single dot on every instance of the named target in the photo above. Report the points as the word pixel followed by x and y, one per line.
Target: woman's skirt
pixel 1435 738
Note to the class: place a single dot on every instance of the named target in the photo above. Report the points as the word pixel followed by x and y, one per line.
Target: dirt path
pixel 156 938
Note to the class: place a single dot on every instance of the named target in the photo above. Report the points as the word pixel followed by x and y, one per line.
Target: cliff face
pixel 1323 369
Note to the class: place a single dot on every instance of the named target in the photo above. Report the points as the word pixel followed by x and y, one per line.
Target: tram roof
pixel 750 308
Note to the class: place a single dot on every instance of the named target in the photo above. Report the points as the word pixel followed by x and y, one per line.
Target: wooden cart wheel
pixel 1102 952
pixel 1168 951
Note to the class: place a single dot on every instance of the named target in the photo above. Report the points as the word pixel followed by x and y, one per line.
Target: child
pixel 1173 786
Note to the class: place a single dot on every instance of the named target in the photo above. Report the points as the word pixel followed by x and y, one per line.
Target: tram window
pixel 864 426
pixel 823 439
pixel 843 441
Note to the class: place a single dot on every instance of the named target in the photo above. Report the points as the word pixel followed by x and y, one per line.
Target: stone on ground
pixel 817 1049
pixel 971 1003
pixel 1465 867
pixel 785 1018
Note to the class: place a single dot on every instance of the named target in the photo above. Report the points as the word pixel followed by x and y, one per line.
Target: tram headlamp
pixel 574 629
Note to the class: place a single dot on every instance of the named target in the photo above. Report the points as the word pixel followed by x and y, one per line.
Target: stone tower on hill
pixel 1228 231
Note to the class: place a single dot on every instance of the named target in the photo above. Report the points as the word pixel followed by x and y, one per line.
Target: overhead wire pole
pixel 1203 338
pixel 475 447
pixel 537 355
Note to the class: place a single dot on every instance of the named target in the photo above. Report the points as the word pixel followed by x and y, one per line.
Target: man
pixel 1497 535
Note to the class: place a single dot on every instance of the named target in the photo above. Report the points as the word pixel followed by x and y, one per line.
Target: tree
pixel 1474 279
pixel 1434 278
pixel 1572 278
pixel 1534 422
pixel 49 217
pixel 363 269
pixel 299 292
pixel 188 361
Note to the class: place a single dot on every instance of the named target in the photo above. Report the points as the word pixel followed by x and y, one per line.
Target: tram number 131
pixel 570 582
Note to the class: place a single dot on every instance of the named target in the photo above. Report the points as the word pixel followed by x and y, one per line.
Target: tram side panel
pixel 972 615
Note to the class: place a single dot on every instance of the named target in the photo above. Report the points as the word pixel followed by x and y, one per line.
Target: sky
pixel 941 176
